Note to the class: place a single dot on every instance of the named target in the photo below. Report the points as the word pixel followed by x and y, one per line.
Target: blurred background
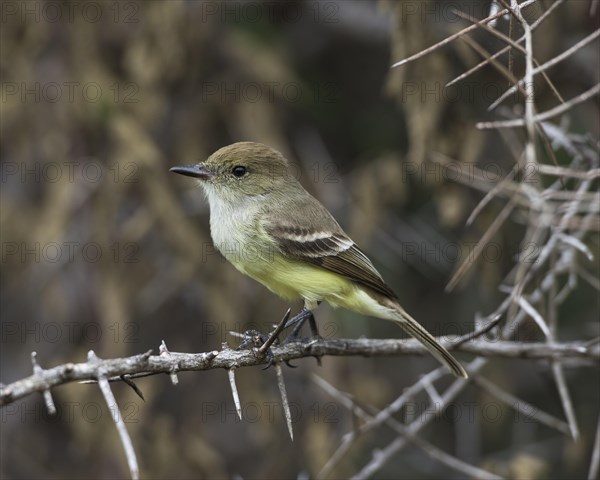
pixel 103 249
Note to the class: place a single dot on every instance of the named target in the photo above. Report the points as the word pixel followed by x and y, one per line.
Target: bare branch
pixel 117 417
pixel 595 462
pixel 507 48
pixel 550 63
pixel 568 172
pixel 521 406
pixel 566 399
pixel 553 112
pixel 144 364
pixel 416 425
pixel 449 39
pixel 479 248
pixel 427 447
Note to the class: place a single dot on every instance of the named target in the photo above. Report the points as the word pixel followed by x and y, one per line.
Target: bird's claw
pixel 257 340
pixel 254 338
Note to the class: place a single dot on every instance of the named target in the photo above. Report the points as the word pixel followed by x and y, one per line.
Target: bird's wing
pixel 323 243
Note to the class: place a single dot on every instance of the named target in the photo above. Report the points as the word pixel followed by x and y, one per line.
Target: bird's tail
pixel 416 330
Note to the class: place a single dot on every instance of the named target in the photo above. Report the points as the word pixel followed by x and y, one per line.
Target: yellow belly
pixel 291 279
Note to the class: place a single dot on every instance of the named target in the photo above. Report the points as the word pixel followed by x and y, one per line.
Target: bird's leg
pixel 314 330
pixel 257 339
pixel 298 321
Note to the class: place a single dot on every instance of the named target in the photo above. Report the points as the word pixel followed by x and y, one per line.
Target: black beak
pixel 196 171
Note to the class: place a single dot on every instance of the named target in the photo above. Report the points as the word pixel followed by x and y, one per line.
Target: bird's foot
pixel 258 340
pixel 298 321
pixel 254 338
pixel 263 342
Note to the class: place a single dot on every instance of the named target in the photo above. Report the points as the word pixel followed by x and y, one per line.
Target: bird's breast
pixel 235 233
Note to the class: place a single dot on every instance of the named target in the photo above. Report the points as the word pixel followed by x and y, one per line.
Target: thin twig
pixel 540 117
pixel 550 63
pixel 569 172
pixel 507 72
pixel 416 425
pixel 478 332
pixel 521 406
pixel 565 397
pixel 111 402
pixel 533 313
pixel 505 49
pixel 449 39
pixel 595 461
pixel 430 449
pixel 479 248
pixel 490 195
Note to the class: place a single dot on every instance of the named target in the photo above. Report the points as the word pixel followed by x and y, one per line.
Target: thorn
pixel 210 355
pixel 234 391
pixel 164 352
pixel 146 355
pixel 127 379
pixel 6 394
pixel 162 349
pixel 263 349
pixel 270 360
pixel 174 377
pixel 284 400
pixel 46 393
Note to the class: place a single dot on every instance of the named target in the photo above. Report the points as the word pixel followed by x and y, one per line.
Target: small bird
pixel 270 228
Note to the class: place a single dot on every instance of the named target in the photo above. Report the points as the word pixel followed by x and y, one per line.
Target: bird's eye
pixel 239 171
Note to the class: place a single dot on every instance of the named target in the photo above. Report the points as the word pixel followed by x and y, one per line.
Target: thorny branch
pixel 147 364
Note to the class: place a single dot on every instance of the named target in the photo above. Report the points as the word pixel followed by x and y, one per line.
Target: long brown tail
pixel 416 330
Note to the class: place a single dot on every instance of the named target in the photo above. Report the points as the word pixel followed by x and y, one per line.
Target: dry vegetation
pixel 480 207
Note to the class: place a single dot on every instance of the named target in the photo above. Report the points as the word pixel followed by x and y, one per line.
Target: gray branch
pixel 171 362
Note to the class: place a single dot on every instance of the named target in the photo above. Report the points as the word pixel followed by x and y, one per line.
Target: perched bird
pixel 270 228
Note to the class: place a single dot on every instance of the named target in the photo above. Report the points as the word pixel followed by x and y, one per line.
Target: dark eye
pixel 239 171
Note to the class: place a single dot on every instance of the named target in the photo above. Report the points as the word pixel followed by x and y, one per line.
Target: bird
pixel 271 229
